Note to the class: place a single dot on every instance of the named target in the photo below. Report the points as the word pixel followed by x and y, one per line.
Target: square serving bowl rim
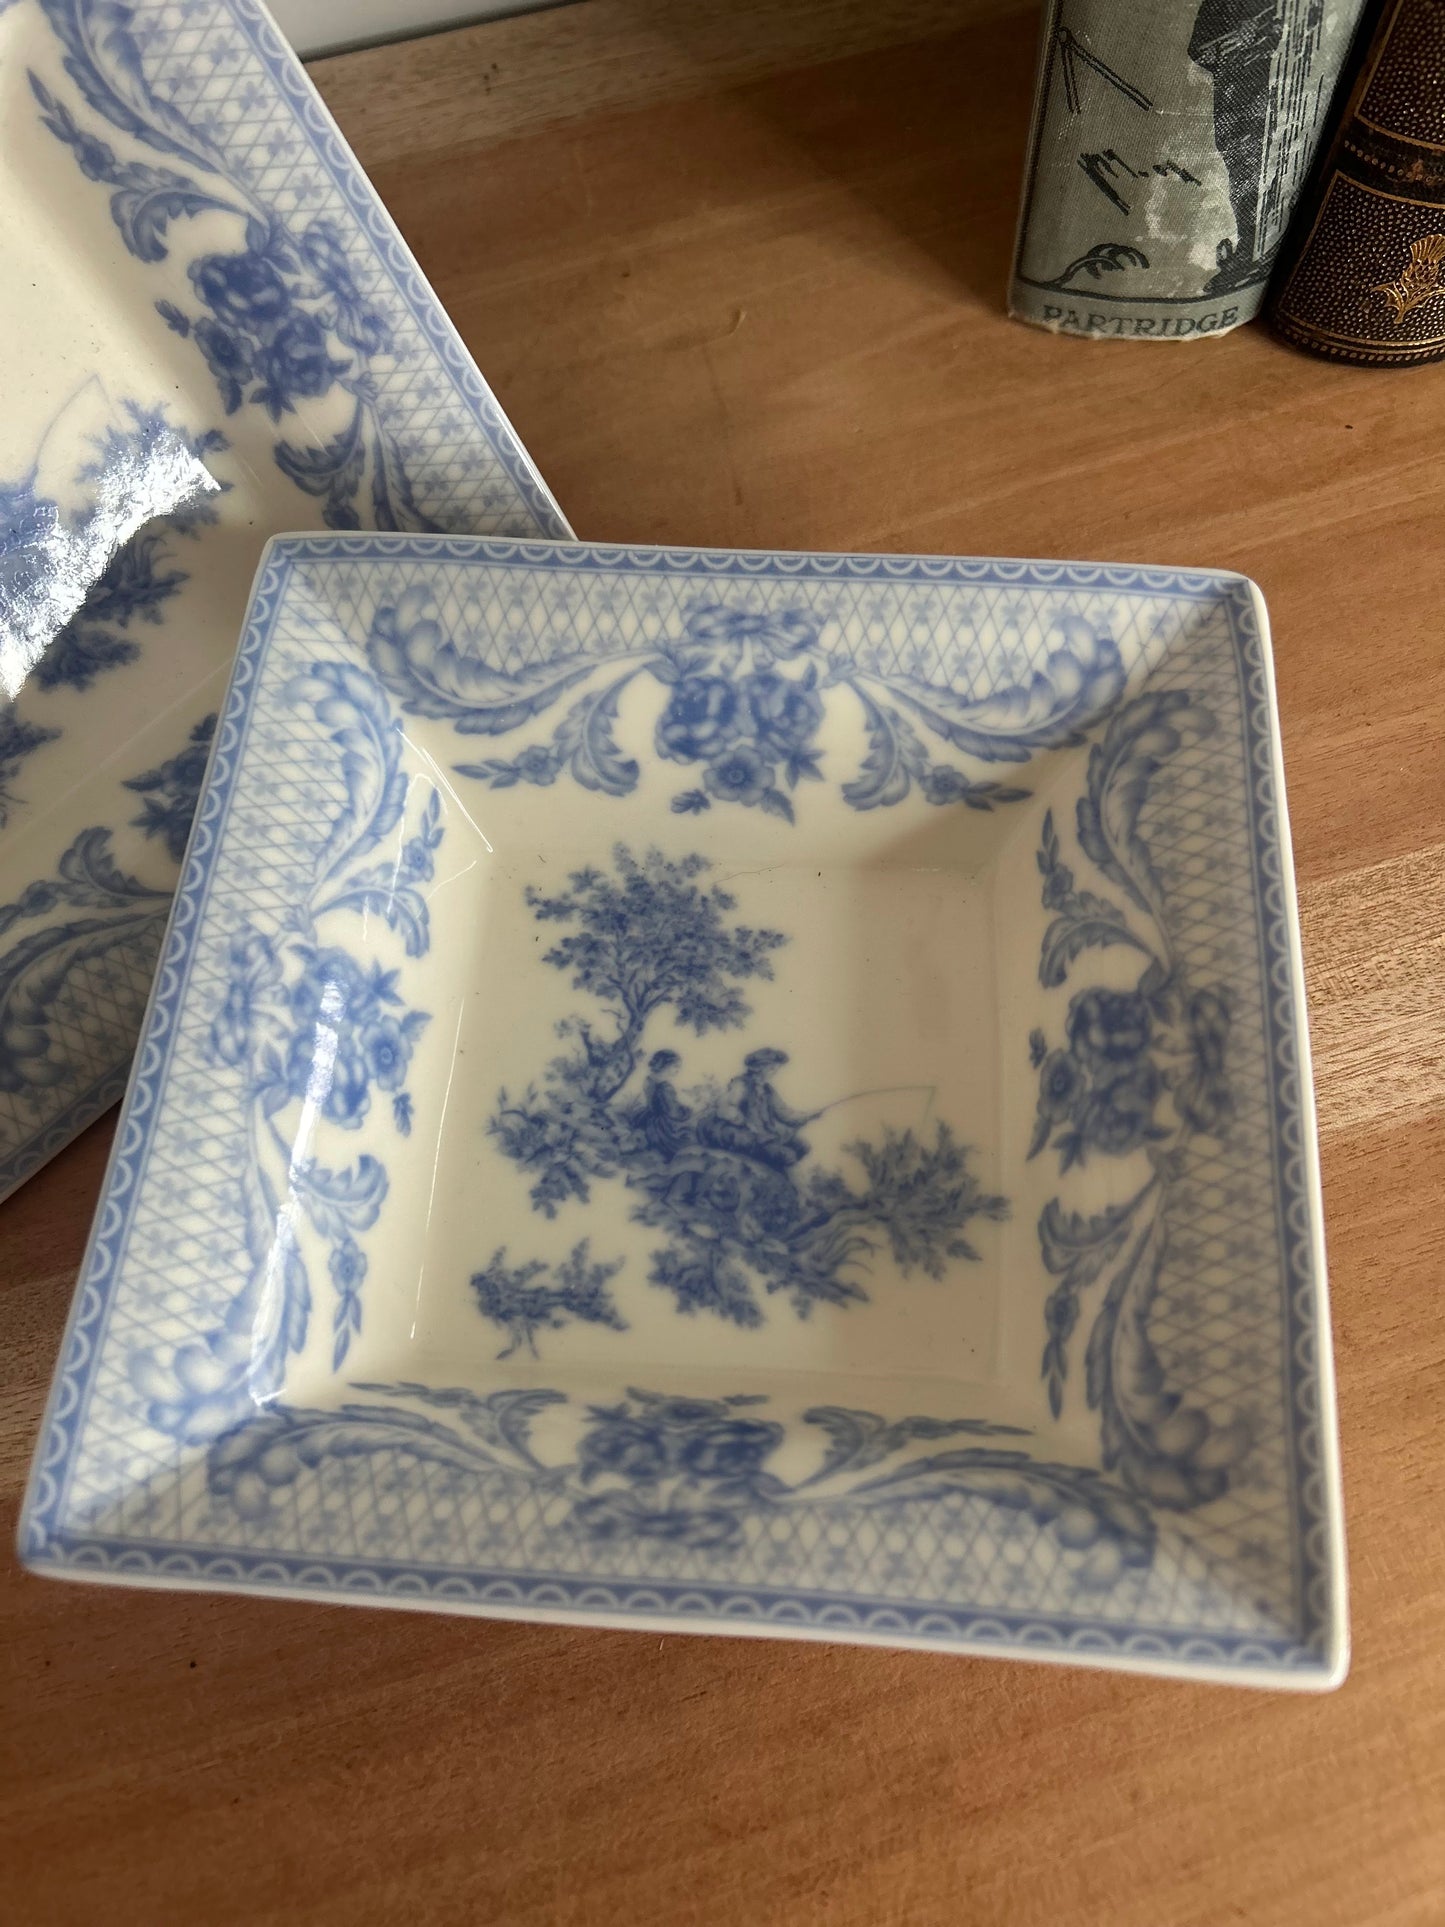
pixel 89 802
pixel 1317 1660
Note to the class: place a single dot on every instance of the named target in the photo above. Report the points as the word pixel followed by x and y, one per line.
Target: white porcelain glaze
pixel 740 1092
pixel 209 331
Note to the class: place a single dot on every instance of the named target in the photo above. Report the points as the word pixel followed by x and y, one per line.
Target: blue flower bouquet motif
pixel 1140 1072
pixel 745 694
pixel 278 316
pixel 340 1031
pixel 701 1475
pixel 725 1174
pixel 320 1038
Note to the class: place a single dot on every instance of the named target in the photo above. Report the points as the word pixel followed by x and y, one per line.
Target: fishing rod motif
pixel 725 1171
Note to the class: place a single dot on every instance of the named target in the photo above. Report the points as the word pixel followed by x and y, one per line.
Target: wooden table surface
pixel 731 290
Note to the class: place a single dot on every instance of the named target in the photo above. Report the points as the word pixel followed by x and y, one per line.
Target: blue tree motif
pixel 746 693
pixel 514 1299
pixel 725 1174
pixel 1140 1071
pixel 279 320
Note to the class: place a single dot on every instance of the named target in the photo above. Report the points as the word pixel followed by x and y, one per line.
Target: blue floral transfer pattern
pixel 279 311
pixel 318 1037
pixel 118 912
pixel 1141 1071
pixel 694 1473
pixel 745 692
pixel 168 794
pixel 53 554
pixel 725 1174
pixel 533 1297
pixel 276 315
pixel 1207 1542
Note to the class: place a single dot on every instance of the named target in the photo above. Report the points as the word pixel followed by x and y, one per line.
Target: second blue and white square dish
pixel 762 1093
pixel 210 332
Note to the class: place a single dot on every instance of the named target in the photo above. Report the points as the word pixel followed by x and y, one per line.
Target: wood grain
pixel 770 313
pixel 1377 937
pixel 450 92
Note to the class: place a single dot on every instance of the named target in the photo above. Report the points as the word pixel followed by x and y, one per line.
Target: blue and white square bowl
pixel 758 1093
pixel 210 331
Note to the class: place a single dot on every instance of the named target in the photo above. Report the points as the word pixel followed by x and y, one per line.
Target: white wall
pixel 323 26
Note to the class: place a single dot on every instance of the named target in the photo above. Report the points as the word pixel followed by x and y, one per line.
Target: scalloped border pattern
pixel 24 1157
pixel 48 1544
pixel 316 122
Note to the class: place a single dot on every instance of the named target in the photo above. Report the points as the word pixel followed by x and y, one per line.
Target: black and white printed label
pixel 1171 139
